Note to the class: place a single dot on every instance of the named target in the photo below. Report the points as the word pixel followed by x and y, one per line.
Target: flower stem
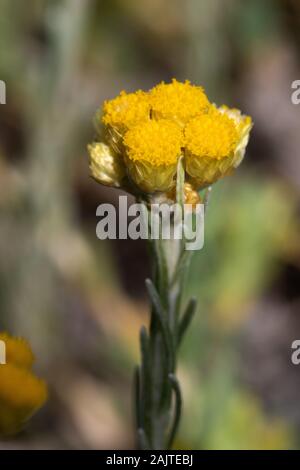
pixel 157 390
pixel 158 386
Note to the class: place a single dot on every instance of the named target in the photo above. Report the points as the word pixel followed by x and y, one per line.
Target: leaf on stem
pixel 186 318
pixel 178 406
pixel 143 443
pixel 137 396
pixel 161 318
pixel 145 386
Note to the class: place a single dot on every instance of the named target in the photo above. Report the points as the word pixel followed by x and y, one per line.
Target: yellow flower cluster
pixel 145 134
pixel 21 392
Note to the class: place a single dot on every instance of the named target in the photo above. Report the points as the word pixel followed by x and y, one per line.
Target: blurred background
pixel 81 301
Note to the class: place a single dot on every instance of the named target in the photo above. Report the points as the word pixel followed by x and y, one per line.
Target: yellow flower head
pixel 156 142
pixel 126 109
pixel 211 135
pixel 178 101
pixel 121 113
pixel 21 392
pixel 210 143
pixel 152 152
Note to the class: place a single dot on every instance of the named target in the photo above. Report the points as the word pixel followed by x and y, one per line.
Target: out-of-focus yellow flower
pixel 21 392
pixel 178 101
pixel 18 351
pixel 152 152
pixel 145 134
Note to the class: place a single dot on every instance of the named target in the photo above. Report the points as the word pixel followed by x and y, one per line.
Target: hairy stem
pixel 158 395
pixel 159 399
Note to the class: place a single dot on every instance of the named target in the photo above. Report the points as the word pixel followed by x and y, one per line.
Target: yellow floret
pixel 126 109
pixel 178 101
pixel 211 135
pixel 156 142
pixel 18 351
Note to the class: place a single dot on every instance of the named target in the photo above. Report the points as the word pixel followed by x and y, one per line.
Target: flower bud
pixel 106 166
